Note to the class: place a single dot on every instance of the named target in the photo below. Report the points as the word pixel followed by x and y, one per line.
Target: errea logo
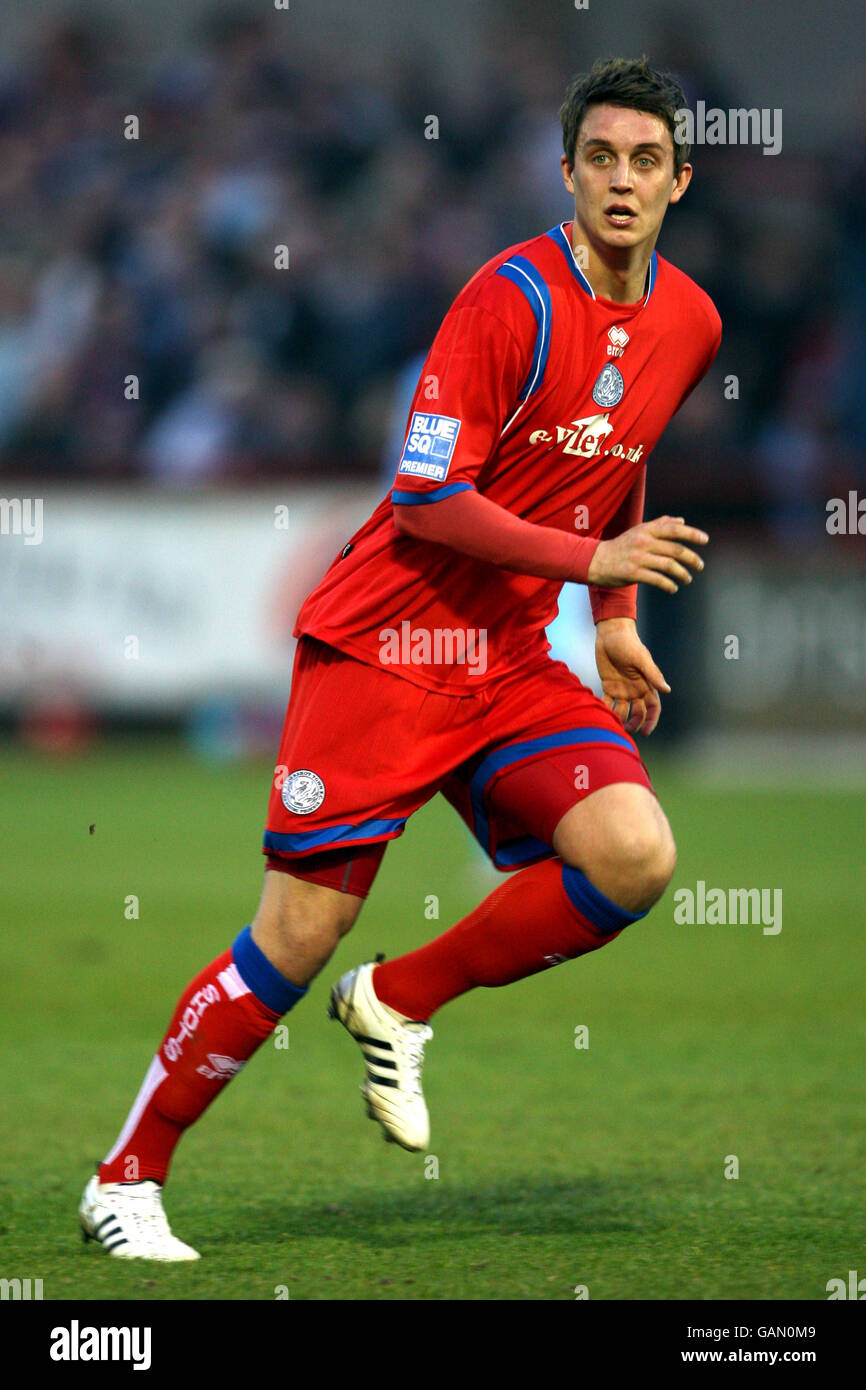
pixel 618 339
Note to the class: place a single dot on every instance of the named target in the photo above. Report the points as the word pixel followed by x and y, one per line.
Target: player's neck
pixel 617 275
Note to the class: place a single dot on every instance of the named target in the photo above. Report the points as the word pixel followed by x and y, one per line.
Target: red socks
pixel 218 1024
pixel 539 917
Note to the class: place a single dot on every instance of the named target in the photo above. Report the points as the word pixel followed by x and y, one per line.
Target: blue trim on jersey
pixel 593 905
pixel 557 234
pixel 653 274
pixel 516 753
pixel 528 278
pixel 333 837
pixel 521 852
pixel 436 494
pixel 273 989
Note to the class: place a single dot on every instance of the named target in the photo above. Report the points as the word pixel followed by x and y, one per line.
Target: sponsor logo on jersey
pixel 303 792
pixel 429 446
pixel 609 386
pixel 585 439
pixel 618 339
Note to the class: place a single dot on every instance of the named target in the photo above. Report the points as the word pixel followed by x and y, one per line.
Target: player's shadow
pixel 523 1206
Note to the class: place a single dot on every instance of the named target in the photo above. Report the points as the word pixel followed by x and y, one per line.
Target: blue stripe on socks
pixel 593 905
pixel 267 984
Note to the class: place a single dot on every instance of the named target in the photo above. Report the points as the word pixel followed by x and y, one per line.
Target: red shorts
pixel 362 749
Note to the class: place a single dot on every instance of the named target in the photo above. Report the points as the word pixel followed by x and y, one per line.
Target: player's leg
pixel 225 1014
pixel 368 736
pixel 563 779
pixel 236 1002
pixel 300 923
pixel 616 857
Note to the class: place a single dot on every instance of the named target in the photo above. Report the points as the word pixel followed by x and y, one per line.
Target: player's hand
pixel 630 679
pixel 653 553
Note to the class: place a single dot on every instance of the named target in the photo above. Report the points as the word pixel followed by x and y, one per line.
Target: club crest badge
pixel 303 792
pixel 609 386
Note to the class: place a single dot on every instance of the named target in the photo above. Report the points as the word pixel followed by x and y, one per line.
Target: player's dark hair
pixel 629 82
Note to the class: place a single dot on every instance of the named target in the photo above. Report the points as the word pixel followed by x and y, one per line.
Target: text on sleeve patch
pixel 429 446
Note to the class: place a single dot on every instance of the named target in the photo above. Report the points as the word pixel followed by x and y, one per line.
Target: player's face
pixel 623 176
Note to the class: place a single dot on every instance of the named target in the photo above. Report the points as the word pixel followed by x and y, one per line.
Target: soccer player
pixel 422 664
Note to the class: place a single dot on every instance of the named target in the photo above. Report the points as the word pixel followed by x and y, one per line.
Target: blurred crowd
pixel 153 258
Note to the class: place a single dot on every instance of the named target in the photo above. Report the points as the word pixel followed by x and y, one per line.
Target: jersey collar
pixel 563 240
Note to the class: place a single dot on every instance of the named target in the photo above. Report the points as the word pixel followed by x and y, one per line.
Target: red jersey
pixel 549 401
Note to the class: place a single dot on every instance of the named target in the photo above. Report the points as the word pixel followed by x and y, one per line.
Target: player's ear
pixel 681 183
pixel 567 173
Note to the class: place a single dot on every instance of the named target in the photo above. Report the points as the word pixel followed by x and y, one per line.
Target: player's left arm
pixel 631 682
pixel 630 679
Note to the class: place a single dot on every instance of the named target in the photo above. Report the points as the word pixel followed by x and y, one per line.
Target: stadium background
pixel 145 641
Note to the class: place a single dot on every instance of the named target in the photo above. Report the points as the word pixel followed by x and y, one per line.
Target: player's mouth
pixel 620 215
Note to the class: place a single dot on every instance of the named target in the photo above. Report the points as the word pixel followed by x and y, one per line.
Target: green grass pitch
pixel 558 1166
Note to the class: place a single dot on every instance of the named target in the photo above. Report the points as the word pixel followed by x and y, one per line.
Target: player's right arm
pixel 478 369
pixel 655 552
pixel 472 524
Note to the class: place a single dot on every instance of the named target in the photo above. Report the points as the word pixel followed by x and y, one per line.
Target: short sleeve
pixel 467 392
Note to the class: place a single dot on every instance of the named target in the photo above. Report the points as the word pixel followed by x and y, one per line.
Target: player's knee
pixel 633 863
pixel 291 904
pixel 640 857
pixel 652 860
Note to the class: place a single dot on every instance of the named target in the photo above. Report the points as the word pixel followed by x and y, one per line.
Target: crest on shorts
pixel 303 792
pixel 609 386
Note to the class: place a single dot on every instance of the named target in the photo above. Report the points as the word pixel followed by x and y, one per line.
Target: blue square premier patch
pixel 429 446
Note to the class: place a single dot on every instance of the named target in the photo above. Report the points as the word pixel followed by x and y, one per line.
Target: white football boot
pixel 393 1049
pixel 127 1220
